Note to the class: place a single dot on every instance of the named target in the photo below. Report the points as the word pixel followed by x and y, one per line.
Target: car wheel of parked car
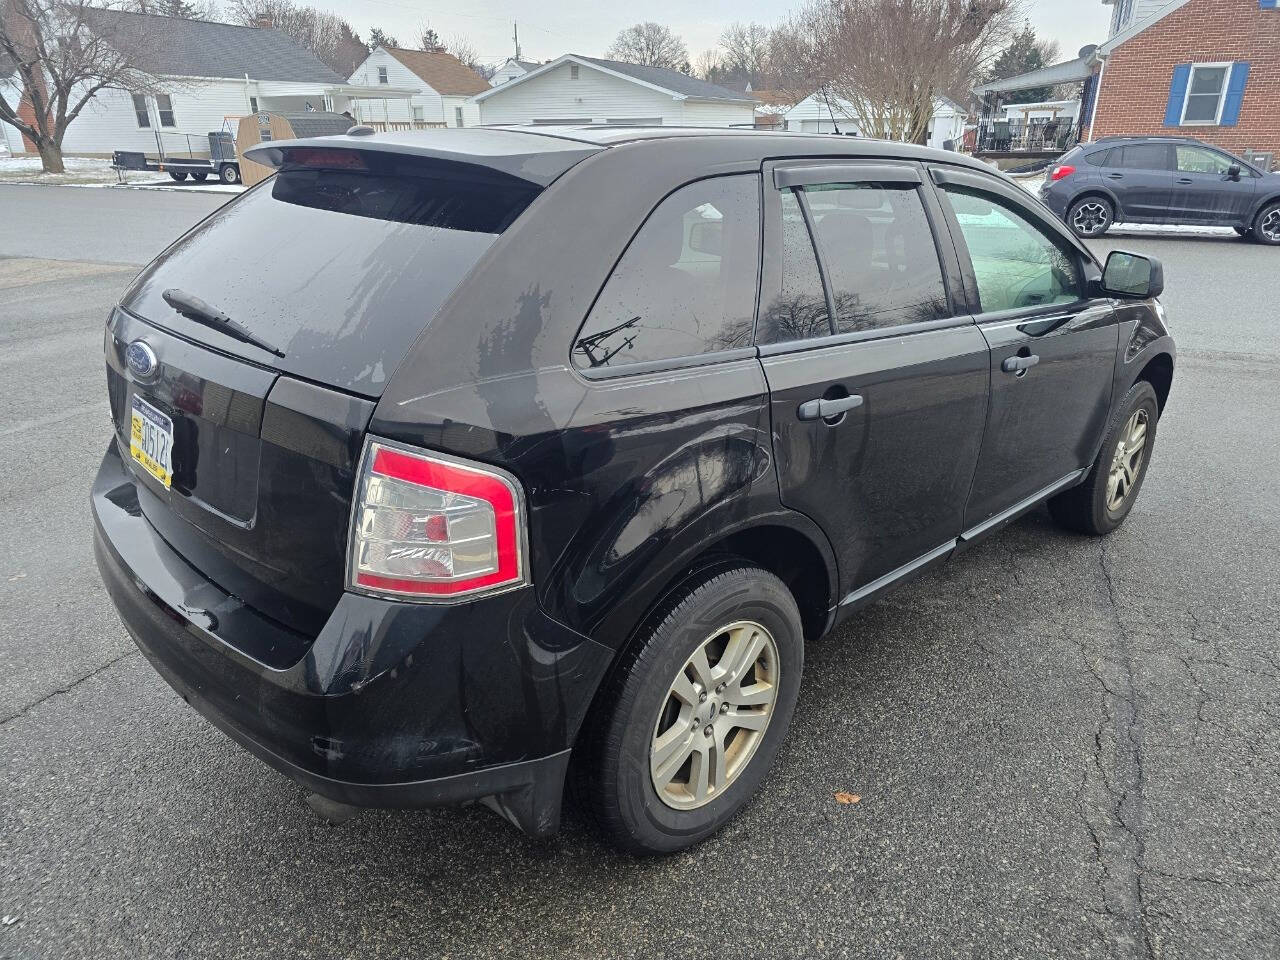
pixel 1101 503
pixel 688 726
pixel 1090 216
pixel 1266 229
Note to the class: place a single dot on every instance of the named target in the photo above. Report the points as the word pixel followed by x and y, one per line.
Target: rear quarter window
pixel 686 284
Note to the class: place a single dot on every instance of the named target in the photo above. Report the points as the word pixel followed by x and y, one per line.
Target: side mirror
pixel 1233 172
pixel 1133 276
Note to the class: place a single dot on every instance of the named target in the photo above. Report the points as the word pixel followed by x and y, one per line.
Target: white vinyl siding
pixel 109 121
pixel 437 110
pixel 600 97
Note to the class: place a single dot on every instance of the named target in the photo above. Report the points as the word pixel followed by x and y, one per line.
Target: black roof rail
pixel 1159 137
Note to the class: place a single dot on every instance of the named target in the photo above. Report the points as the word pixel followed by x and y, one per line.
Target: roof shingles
pixel 176 47
pixel 441 71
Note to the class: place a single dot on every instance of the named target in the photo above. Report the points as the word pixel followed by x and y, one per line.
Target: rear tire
pixel 199 176
pixel 178 175
pixel 1091 217
pixel 1266 228
pixel 229 173
pixel 1103 501
pixel 667 713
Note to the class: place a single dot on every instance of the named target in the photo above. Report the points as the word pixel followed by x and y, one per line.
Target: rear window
pixel 339 269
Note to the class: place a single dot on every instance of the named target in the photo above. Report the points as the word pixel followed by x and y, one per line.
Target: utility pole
pixel 515 37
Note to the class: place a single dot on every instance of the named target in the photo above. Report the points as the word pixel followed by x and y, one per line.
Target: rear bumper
pixel 392 705
pixel 1055 200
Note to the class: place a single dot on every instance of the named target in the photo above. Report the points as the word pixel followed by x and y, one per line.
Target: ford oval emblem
pixel 141 359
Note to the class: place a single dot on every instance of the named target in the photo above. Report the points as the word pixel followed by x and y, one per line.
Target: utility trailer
pixel 219 160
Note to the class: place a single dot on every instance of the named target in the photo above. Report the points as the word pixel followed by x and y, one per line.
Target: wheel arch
pixel 1158 371
pixel 1101 193
pixel 1260 206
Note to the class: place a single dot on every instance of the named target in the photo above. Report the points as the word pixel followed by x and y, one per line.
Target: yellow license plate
pixel 151 440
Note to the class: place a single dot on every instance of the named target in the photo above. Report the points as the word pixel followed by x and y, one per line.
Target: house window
pixel 573 71
pixel 1205 93
pixel 253 104
pixel 140 109
pixel 164 107
pixel 457 117
pixel 419 115
pixel 382 75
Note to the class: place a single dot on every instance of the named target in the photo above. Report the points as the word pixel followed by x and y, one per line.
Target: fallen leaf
pixel 842 797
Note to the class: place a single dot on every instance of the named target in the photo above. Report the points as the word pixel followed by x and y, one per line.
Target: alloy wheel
pixel 714 715
pixel 1126 462
pixel 1270 225
pixel 1090 218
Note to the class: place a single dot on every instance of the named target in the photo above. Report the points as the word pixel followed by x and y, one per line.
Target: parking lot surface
pixel 1064 747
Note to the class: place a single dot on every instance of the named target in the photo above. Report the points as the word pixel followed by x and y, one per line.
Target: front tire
pixel 688 725
pixel 1266 228
pixel 1103 501
pixel 1091 217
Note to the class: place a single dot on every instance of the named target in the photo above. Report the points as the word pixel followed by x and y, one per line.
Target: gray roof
pixel 672 80
pixel 176 47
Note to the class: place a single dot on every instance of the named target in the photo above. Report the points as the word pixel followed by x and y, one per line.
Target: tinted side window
pixel 879 251
pixel 687 283
pixel 1098 159
pixel 1142 156
pixel 1016 264
pixel 1200 160
pixel 797 310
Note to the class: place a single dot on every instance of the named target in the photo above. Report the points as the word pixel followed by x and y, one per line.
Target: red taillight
pixel 425 525
pixel 1061 172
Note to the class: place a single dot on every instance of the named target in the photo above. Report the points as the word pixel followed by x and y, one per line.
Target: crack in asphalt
pixel 1116 836
pixel 68 688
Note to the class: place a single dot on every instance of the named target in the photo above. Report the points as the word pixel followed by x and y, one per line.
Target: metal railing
pixel 1006 136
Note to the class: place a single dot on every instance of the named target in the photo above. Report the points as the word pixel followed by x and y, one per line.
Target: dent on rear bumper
pixel 392 704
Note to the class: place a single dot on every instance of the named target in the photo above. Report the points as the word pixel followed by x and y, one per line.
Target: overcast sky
pixel 549 28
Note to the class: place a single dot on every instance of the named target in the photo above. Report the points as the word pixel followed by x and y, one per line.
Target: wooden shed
pixel 268 125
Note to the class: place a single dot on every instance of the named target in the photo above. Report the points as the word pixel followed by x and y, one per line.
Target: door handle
pixel 1019 365
pixel 1115 176
pixel 1185 180
pixel 826 409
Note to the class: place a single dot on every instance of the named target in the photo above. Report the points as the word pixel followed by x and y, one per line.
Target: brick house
pixel 1208 69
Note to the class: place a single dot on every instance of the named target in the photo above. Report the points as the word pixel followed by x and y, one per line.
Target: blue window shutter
pixel 1177 94
pixel 1235 93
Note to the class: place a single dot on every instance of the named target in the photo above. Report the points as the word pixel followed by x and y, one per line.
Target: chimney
pixel 265 22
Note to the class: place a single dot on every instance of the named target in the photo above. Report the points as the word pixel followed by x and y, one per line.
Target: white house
pixel 443 84
pixel 511 69
pixel 211 74
pixel 820 113
pixel 576 89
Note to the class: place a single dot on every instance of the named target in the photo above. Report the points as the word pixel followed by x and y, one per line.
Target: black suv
pixel 1166 180
pixel 447 465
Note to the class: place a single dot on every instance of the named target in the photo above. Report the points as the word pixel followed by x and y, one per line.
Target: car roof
pixel 540 153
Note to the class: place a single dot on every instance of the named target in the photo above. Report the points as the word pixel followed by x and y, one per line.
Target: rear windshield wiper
pixel 193 308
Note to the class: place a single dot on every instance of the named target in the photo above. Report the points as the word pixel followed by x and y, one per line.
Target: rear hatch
pixel 244 436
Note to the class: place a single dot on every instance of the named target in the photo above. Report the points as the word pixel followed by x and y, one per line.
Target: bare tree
pixel 63 53
pixel 652 45
pixel 465 50
pixel 890 59
pixel 746 52
pixel 184 9
pixel 327 35
pixel 706 65
pixel 790 67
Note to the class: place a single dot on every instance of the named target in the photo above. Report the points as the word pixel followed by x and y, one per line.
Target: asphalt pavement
pixel 1064 747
